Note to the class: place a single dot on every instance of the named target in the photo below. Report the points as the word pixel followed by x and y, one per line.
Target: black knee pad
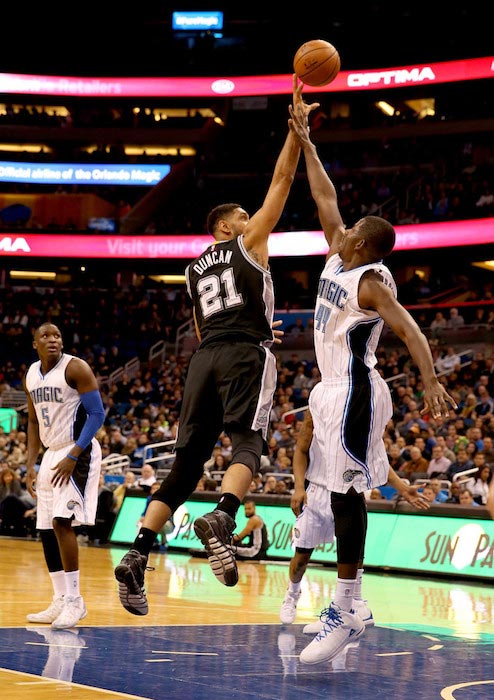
pixel 187 469
pixel 247 449
pixel 350 522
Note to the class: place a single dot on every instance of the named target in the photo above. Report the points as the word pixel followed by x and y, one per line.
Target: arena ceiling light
pixel 32 275
pixel 25 148
pixel 485 265
pixel 386 108
pixel 168 279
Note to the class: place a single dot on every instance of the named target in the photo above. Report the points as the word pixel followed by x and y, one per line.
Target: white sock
pixel 58 583
pixel 344 593
pixel 357 593
pixel 294 587
pixel 72 583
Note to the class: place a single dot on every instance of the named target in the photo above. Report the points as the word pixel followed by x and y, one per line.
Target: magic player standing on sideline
pixel 351 405
pixel 231 378
pixel 65 412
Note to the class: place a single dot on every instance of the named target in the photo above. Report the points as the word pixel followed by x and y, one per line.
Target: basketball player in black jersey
pixel 230 381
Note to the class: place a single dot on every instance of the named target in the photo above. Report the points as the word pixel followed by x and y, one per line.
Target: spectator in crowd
pixel 449 362
pixel 256 485
pixel 129 484
pixel 454 492
pixel 424 446
pixel 429 494
pixel 440 490
pixel 485 404
pixel 129 449
pixel 147 478
pixel 296 328
pixel 416 466
pixel 226 447
pixel 447 451
pixel 466 498
pixel 488 450
pixel 466 408
pixel 270 485
pixel 475 435
pixel 438 325
pixel 281 488
pixel 209 463
pixel 395 458
pixel 220 463
pixel 117 440
pixel 211 485
pixel 455 320
pixel 300 380
pixel 461 464
pixel 139 452
pixel 439 464
pixel 479 482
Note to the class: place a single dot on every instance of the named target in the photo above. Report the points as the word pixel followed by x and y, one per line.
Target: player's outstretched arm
pixel 262 223
pixel 321 186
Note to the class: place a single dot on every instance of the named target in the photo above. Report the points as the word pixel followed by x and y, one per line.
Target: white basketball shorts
pixel 315 524
pixel 78 499
pixel 349 422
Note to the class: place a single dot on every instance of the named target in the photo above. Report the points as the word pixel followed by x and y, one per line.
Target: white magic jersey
pixel 351 405
pixel 346 336
pixel 58 407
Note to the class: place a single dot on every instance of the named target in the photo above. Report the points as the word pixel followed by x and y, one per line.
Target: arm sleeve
pixel 93 404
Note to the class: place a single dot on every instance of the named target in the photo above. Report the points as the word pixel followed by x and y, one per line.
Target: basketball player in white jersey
pixel 65 412
pixel 311 504
pixel 351 405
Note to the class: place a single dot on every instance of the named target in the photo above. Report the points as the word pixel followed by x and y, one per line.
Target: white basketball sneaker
pixel 339 629
pixel 289 607
pixel 73 611
pixel 50 614
pixel 361 608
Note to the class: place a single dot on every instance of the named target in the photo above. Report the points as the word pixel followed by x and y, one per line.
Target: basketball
pixel 316 62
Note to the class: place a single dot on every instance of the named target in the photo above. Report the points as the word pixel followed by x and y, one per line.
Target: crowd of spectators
pixel 121 323
pixel 407 180
pixel 144 410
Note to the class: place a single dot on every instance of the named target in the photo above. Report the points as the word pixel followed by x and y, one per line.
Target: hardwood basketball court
pixel 433 638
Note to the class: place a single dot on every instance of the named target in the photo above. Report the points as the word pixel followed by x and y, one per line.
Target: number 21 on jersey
pixel 218 292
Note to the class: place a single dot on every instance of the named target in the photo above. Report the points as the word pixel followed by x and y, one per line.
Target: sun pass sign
pixel 82 173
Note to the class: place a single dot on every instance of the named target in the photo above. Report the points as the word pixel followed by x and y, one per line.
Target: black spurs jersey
pixel 232 295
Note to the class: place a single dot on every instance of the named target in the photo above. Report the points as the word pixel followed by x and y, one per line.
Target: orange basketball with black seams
pixel 317 62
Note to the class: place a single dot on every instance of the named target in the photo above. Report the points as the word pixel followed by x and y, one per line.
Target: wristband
pixel 71 457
